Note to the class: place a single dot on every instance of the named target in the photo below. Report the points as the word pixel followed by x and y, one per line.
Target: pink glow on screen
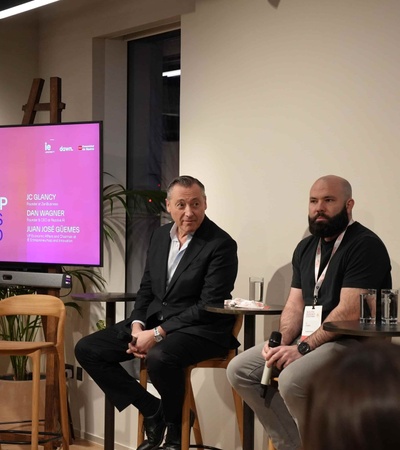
pixel 50 194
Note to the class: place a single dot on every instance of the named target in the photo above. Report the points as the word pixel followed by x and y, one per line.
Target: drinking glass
pixel 389 302
pixel 256 288
pixel 368 306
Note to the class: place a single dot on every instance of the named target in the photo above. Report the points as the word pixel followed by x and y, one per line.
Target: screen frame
pixel 45 266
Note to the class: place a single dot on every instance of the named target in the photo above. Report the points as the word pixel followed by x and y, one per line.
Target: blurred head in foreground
pixel 354 400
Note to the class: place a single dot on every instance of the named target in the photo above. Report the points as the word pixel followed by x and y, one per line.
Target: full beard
pixel 332 227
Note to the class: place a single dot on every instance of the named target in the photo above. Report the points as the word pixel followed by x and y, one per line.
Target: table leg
pixel 109 425
pixel 109 410
pixel 110 313
pixel 248 415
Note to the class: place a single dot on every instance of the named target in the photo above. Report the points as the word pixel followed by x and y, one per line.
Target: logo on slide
pixel 86 148
pixel 47 148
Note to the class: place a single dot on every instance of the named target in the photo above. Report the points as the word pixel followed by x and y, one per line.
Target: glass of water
pixel 368 306
pixel 389 302
pixel 256 288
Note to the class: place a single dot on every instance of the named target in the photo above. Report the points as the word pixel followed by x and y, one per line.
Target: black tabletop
pixel 104 297
pixel 355 328
pixel 267 310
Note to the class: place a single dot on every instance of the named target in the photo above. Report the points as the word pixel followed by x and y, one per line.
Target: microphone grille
pixel 276 336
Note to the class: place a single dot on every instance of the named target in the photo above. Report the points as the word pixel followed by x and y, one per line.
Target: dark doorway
pixel 153 135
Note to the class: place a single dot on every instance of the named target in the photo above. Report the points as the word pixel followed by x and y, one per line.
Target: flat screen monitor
pixel 51 195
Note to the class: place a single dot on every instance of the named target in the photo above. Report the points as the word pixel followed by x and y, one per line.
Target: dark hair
pixel 353 402
pixel 185 181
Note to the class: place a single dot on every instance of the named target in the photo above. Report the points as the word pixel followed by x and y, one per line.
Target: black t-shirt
pixel 361 261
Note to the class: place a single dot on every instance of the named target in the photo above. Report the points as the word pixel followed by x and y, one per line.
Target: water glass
pixel 368 306
pixel 256 288
pixel 389 302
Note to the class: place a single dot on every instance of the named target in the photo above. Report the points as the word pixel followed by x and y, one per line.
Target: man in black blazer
pixel 190 263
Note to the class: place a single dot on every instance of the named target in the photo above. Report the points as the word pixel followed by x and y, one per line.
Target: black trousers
pixel 101 353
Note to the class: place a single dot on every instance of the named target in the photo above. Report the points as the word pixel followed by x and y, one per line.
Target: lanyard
pixel 320 280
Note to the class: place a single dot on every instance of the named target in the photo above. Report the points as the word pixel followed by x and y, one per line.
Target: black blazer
pixel 205 276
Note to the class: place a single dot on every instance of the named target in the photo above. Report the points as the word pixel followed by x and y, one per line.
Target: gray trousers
pixel 280 411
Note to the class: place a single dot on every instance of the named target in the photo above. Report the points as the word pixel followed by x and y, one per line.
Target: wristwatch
pixel 157 336
pixel 304 348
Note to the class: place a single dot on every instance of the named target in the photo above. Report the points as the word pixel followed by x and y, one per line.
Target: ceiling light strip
pixel 24 7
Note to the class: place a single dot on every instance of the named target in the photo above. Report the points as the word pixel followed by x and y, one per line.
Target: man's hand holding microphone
pixel 274 341
pixel 279 357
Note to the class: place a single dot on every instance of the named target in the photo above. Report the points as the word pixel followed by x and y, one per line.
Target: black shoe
pixel 155 429
pixel 174 434
pixel 173 439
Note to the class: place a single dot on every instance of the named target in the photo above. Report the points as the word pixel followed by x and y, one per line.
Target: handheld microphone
pixel 274 341
pixel 126 337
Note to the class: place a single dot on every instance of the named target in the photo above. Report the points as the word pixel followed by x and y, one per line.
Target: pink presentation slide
pixel 50 194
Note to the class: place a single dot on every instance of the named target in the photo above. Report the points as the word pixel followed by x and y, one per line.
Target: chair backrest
pixel 36 305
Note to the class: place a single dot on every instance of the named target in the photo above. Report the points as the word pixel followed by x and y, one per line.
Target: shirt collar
pixel 174 233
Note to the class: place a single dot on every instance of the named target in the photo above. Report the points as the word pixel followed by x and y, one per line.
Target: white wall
pixel 271 99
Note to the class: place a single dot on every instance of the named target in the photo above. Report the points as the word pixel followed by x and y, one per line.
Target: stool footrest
pixel 20 437
pixel 203 446
pixel 209 447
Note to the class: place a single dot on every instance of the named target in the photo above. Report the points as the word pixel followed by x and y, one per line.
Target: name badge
pixel 312 319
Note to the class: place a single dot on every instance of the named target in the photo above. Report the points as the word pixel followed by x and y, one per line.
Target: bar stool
pixel 50 307
pixel 189 401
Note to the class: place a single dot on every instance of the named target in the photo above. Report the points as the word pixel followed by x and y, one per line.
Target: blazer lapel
pixel 162 261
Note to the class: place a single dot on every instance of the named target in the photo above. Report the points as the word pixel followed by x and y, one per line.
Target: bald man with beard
pixel 331 268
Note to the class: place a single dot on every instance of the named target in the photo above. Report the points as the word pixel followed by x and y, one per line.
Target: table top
pixel 355 328
pixel 104 297
pixel 267 310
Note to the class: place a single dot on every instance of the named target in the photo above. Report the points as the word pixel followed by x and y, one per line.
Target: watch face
pixel 303 348
pixel 157 335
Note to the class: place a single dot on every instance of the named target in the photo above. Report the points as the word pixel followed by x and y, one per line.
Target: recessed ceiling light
pixel 172 73
pixel 12 7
